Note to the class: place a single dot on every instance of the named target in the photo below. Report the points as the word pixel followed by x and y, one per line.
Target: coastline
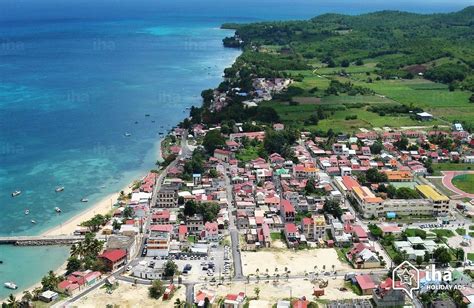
pixel 103 206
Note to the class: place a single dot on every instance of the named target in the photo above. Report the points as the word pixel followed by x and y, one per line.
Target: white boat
pixel 10 285
pixel 27 211
pixel 59 189
pixel 57 209
pixel 127 134
pixel 33 221
pixel 84 200
pixel 16 193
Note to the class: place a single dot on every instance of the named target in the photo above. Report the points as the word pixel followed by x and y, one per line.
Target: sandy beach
pixel 101 207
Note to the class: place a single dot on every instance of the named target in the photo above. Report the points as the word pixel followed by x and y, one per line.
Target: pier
pixel 40 240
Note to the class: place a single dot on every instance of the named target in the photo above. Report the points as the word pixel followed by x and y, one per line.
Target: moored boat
pixel 57 209
pixel 59 189
pixel 10 285
pixel 33 221
pixel 16 193
pixel 84 200
pixel 27 211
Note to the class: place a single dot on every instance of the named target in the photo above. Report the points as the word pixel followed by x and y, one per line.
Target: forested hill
pixel 396 40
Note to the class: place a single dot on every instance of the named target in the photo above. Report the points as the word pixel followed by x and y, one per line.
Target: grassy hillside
pixel 364 71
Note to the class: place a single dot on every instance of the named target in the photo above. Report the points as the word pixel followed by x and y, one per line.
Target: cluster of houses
pixel 264 89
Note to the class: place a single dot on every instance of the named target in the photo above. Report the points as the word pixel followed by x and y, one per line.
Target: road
pixel 234 233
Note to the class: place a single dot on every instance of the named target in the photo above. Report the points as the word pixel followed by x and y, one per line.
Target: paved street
pixel 234 233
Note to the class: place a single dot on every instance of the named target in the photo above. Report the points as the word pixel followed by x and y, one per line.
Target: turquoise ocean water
pixel 75 76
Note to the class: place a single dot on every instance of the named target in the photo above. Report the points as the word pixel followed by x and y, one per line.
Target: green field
pixel 464 182
pixel 450 167
pixel 433 97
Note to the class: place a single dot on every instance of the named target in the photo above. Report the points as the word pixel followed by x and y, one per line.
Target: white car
pixel 129 268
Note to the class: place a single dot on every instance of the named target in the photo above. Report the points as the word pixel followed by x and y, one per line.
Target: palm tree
pixel 36 293
pixel 12 302
pixel 257 291
pixel 178 303
pixel 27 297
pixel 77 250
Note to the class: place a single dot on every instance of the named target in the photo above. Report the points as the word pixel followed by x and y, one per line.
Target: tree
pixel 375 230
pixel 345 63
pixel 73 264
pixel 50 281
pixel 419 260
pixel 459 254
pixel 157 289
pixel 256 290
pixel 213 140
pixel 13 302
pixel 116 224
pixel 376 147
pixel 170 269
pixel 442 255
pixel 401 144
pixel 128 212
pixel 374 176
pixel 332 207
pixel 471 99
pixel 190 208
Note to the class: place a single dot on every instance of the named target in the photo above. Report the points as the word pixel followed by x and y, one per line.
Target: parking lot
pixel 199 268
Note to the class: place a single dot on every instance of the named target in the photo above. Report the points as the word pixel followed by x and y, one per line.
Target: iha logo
pixel 406 277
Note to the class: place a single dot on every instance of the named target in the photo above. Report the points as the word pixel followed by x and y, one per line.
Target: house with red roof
pixel 223 155
pixel 365 283
pixel 210 232
pixel 161 217
pixel 385 296
pixel 300 303
pixel 287 211
pixel 114 259
pixel 234 300
pixel 200 298
pixel 292 234
pixel 363 256
pixel 182 233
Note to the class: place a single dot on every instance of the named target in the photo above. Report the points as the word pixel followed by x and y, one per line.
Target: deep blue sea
pixel 76 75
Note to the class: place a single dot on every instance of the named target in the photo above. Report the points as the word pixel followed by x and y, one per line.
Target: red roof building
pixel 365 283
pixel 114 259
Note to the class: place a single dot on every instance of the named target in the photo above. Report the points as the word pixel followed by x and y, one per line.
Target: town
pixel 279 217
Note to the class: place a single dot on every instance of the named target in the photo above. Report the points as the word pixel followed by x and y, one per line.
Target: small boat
pixel 16 193
pixel 147 115
pixel 33 221
pixel 160 133
pixel 1 262
pixel 10 285
pixel 57 209
pixel 127 134
pixel 27 211
pixel 84 200
pixel 152 121
pixel 136 122
pixel 59 189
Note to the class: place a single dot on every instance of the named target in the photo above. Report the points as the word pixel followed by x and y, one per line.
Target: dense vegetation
pixel 399 39
pixel 371 70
